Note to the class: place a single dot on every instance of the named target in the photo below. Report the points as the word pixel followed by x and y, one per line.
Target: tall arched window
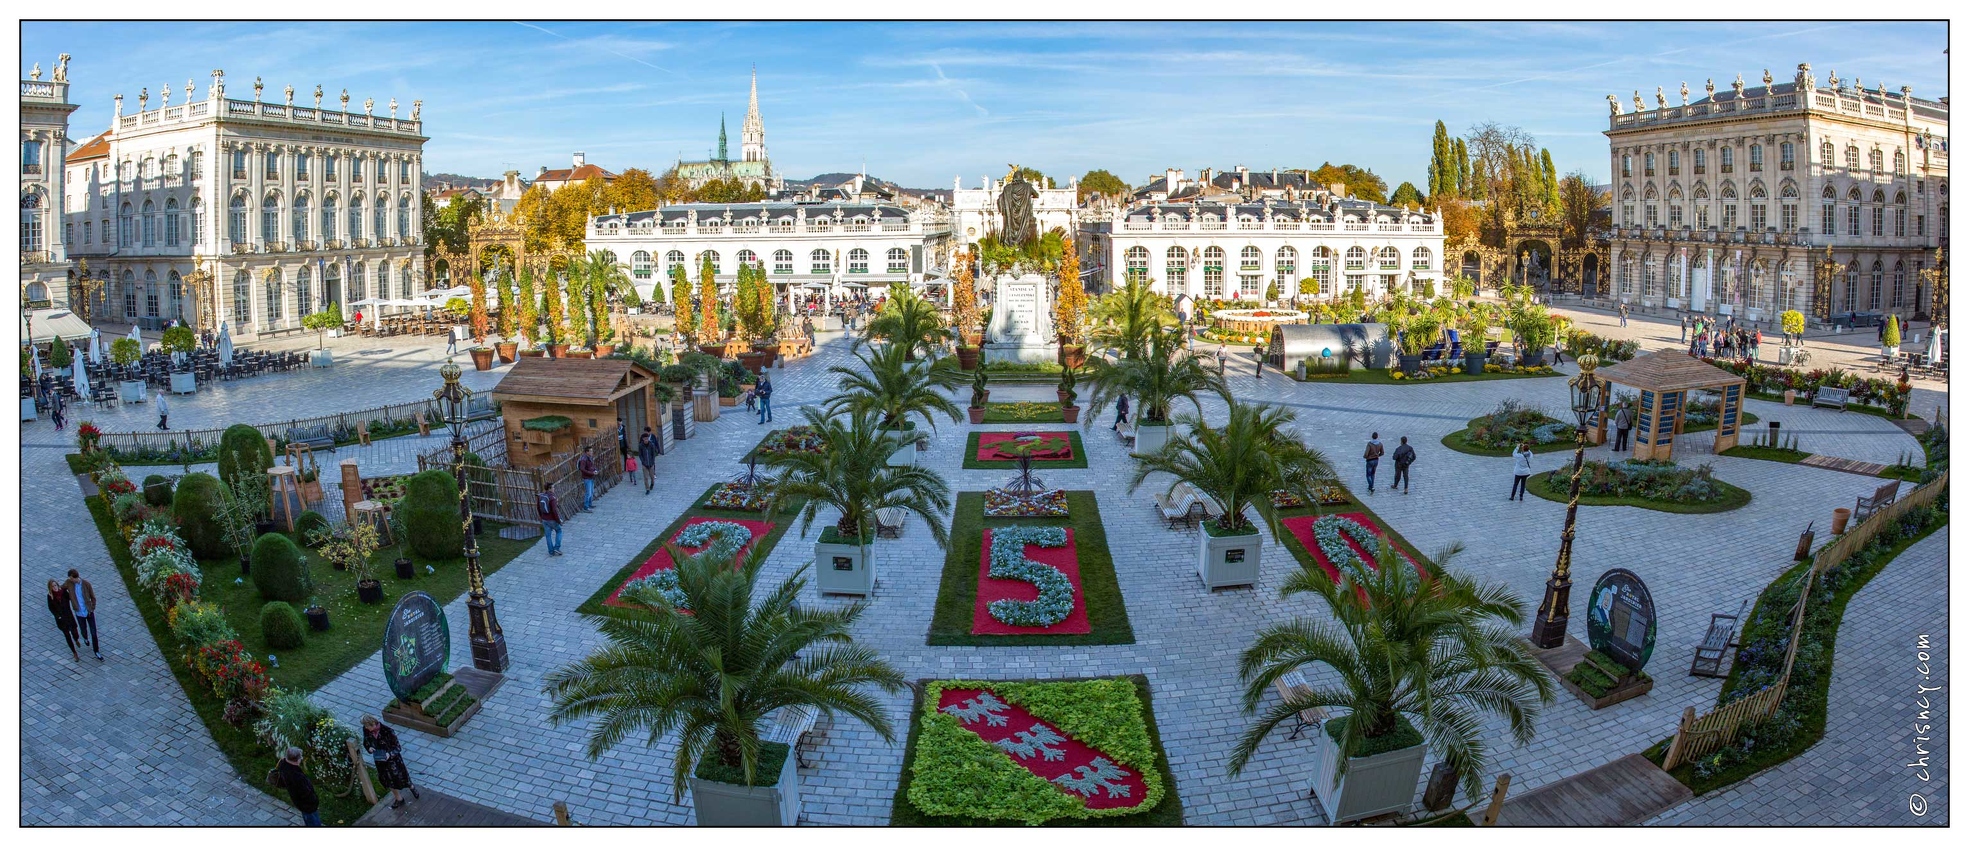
pixel 1136 264
pixel 301 217
pixel 175 288
pixel 405 279
pixel 1900 214
pixel 1213 272
pixel 1900 162
pixel 150 224
pixel 303 292
pixel 31 222
pixel 382 215
pixel 1422 259
pixel 1250 258
pixel 1285 265
pixel 270 217
pixel 857 261
pixel 821 262
pixel 1900 284
pixel 1879 212
pixel 383 279
pixel 236 220
pixel 1825 153
pixel 197 220
pixel 639 264
pixel 129 294
pixel 403 216
pixel 242 298
pixel 150 293
pixel 275 315
pixel 1391 259
pixel 171 230
pixel 1356 258
pixel 898 260
pixel 331 283
pixel 714 258
pixel 782 262
pixel 328 212
pixel 672 261
pixel 358 284
pixel 355 217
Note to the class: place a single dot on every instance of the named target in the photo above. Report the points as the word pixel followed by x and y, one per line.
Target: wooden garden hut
pixel 1664 379
pixel 551 406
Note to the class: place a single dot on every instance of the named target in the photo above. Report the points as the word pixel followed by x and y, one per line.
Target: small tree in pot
pixel 321 322
pixel 980 395
pixel 349 547
pixel 404 567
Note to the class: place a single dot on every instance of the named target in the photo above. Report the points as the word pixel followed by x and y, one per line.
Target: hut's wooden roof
pixel 573 381
pixel 1668 370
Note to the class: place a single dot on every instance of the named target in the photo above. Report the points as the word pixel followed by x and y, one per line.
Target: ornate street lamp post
pixel 1589 394
pixel 488 640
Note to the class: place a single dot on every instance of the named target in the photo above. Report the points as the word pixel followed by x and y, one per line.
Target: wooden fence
pixel 510 495
pixel 1697 736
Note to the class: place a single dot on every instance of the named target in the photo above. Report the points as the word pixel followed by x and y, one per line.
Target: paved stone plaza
pixel 118 743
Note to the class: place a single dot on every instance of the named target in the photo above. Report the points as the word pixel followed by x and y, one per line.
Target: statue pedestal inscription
pixel 1021 328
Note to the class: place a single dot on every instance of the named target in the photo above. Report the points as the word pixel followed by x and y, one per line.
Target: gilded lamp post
pixel 1589 394
pixel 488 640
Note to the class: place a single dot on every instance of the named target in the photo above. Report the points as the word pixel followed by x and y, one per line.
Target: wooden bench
pixel 316 437
pixel 793 726
pixel 1125 431
pixel 888 522
pixel 1179 504
pixel 1289 684
pixel 1716 643
pixel 1865 506
pixel 1830 397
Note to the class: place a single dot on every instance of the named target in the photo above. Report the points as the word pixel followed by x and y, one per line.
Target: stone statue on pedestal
pixel 1017 224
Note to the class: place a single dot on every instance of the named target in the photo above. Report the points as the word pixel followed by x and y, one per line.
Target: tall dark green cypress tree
pixel 1551 181
pixel 1441 169
pixel 1468 186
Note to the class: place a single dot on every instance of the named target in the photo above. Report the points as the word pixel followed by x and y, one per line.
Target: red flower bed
pixel 1048 752
pixel 1064 558
pixel 988 446
pixel 661 560
pixel 1302 529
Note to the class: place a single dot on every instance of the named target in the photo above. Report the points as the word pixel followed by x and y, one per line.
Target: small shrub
pixel 157 491
pixel 310 525
pixel 281 626
pixel 280 571
pixel 130 509
pixel 196 505
pixel 430 513
pixel 242 450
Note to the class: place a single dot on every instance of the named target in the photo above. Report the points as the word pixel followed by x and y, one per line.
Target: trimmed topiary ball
pixel 243 451
pixel 309 524
pixel 196 506
pixel 280 571
pixel 430 515
pixel 281 626
pixel 157 491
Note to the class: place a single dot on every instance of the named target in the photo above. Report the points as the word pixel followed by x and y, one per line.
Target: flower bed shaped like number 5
pixel 1034 751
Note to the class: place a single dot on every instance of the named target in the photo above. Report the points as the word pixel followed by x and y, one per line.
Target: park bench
pixel 1289 684
pixel 1865 506
pixel 1828 396
pixel 1126 432
pixel 888 522
pixel 318 436
pixel 1716 644
pixel 1178 504
pixel 793 726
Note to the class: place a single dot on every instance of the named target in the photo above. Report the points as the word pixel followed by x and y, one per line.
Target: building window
pixel 1758 218
pixel 1727 160
pixel 1702 216
pixel 242 298
pixel 1852 157
pixel 88 232
pixel 639 264
pixel 30 157
pixel 301 215
pixel 1900 214
pixel 1700 162
pixel 270 217
pixel 197 220
pixel 328 166
pixel 272 165
pixel 782 260
pixel 355 217
pixel 1627 164
pixel 238 164
pixel 1284 265
pixel 673 261
pixel 1390 259
pixel 150 293
pixel 1873 295
pixel 1653 215
pixel 31 217
pixel 403 172
pixel 1675 215
pixel 129 294
pixel 358 284
pixel 1249 259
pixel 1920 226
pixel 300 166
pixel 1873 159
pixel 1785 159
pixel 274 315
pixel 149 224
pixel 711 257
pixel 1648 277
pixel 783 225
pixel 858 261
pixel 175 287
pixel 1788 220
pixel 1422 259
pixel 1356 258
pixel 1853 219
pixel 1825 153
pixel 171 222
pixel 355 169
pixel 1322 272
pixel 820 262
pixel 1627 213
pixel 1674 162
pixel 1648 164
pixel 1136 264
pixel 381 213
pixel 1213 282
pixel 1756 157
pixel 236 220
pixel 303 292
pixel 1900 283
pixel 126 223
pixel 197 163
pixel 403 217
pixel 898 260
pixel 1900 162
pixel 328 212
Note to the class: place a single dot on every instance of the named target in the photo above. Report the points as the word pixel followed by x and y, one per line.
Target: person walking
pixel 58 410
pixel 1373 457
pixel 549 505
pixel 1220 359
pixel 1623 314
pixel 381 742
pixel 64 616
pixel 1258 360
pixel 647 447
pixel 1756 341
pixel 1684 322
pixel 1623 422
pixel 622 438
pixel 82 603
pixel 1404 456
pixel 1120 412
pixel 1520 470
pixel 765 392
pixel 290 775
pixel 586 464
pixel 163 411
pixel 451 342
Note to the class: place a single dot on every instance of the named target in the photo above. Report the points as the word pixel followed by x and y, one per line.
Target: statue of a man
pixel 1017 227
pixel 1613 104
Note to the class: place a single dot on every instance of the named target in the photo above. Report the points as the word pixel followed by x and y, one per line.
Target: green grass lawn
pixel 1733 498
pixel 1460 442
pixel 1100 590
pixel 597 604
pixel 1380 376
pixel 972 463
pixel 1768 454
pixel 1167 813
pixel 1018 413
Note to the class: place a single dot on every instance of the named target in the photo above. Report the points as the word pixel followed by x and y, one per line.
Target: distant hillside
pixel 432 181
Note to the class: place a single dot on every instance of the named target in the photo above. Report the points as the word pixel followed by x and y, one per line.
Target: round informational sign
pixel 416 644
pixel 1620 618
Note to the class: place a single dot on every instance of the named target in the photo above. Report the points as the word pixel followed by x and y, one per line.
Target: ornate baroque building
pixel 248 212
pixel 1730 204
pixel 752 167
pixel 44 143
pixel 809 245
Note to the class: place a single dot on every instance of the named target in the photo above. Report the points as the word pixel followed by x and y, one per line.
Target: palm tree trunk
pixel 725 746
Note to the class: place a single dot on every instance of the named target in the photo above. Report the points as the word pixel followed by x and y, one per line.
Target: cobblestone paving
pixel 1187 639
pixel 1860 774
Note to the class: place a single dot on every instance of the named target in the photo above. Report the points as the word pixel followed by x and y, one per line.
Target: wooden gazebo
pixel 1664 378
pixel 568 401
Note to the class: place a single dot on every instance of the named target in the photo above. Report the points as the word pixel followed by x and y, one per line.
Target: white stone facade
pixel 1218 251
pixel 44 144
pixel 1726 205
pixel 290 207
pixel 819 246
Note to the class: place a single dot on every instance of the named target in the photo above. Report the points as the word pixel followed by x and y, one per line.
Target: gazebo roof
pixel 1668 370
pixel 579 382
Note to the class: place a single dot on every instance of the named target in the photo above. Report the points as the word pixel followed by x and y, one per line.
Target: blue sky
pixel 921 103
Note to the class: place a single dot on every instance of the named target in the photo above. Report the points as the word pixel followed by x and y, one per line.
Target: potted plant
pixel 177 341
pixel 1476 337
pixel 321 322
pixel 890 384
pixel 405 569
pixel 316 615
pixel 1069 412
pixel 508 350
pixel 1237 465
pixel 1890 340
pixel 854 473
pixel 1534 332
pixel 980 396
pixel 538 350
pixel 1156 379
pixel 126 352
pixel 349 547
pixel 718 673
pixel 1419 662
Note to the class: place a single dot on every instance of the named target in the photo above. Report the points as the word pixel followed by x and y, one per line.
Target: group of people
pixel 73 603
pixel 1404 456
pixel 1723 339
pixel 381 743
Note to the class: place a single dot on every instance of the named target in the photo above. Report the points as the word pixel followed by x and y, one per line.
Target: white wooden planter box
pixel 130 392
pixel 27 409
pixel 1150 437
pixel 725 804
pixel 322 358
pixel 1228 560
pixel 184 383
pixel 843 569
pixel 1373 785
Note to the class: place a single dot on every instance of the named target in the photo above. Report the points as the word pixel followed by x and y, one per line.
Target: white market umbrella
pixel 1934 353
pixel 81 379
pixel 95 346
pixel 35 359
pixel 137 337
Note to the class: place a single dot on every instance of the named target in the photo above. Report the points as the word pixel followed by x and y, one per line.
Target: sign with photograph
pixel 1620 618
pixel 416 644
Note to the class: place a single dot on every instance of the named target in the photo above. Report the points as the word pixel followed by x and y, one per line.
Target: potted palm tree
pixel 1476 333
pixel 1416 660
pixel 1236 465
pixel 853 474
pixel 1157 379
pixel 1127 320
pixel 1069 412
pixel 909 322
pixel 890 384
pixel 716 678
pixel 980 395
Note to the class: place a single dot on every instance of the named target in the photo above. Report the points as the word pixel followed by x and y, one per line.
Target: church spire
pixel 722 157
pixel 752 134
pixel 752 107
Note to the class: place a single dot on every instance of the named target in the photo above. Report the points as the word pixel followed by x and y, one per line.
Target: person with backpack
pixel 586 464
pixel 1373 457
pixel 1120 412
pixel 1623 422
pixel 290 775
pixel 1258 360
pixel 646 449
pixel 550 519
pixel 1404 456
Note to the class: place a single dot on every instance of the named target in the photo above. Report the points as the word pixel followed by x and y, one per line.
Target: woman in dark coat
pixel 64 615
pixel 381 742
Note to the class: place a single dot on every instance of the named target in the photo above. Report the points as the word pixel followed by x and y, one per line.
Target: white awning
pixel 52 323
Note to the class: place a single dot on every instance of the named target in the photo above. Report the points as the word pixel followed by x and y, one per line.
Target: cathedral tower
pixel 752 136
